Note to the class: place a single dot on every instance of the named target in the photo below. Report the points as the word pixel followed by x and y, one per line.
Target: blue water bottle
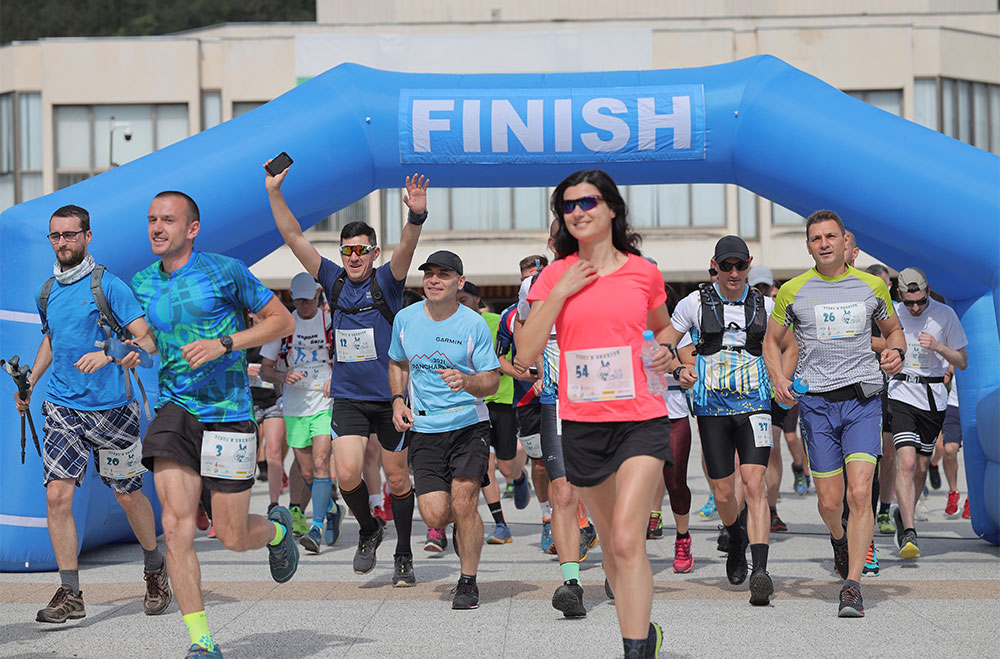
pixel 118 350
pixel 799 387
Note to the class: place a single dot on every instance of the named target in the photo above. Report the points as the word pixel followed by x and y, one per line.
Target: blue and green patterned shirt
pixel 204 299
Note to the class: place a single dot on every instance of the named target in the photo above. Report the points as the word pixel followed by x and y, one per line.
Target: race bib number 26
pixel 840 321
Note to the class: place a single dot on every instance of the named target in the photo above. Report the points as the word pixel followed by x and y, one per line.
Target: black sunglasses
pixel 727 266
pixel 585 203
pixel 916 303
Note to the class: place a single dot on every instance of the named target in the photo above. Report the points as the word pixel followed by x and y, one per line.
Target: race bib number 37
pixel 840 321
pixel 230 455
pixel 599 374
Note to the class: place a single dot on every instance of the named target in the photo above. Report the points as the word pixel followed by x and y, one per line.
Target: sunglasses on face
pixel 915 303
pixel 360 250
pixel 727 266
pixel 585 203
pixel 68 236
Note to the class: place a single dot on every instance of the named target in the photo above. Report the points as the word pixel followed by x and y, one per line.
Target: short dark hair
pixel 824 215
pixel 622 236
pixel 193 214
pixel 877 269
pixel 673 297
pixel 353 229
pixel 74 211
pixel 528 262
pixel 411 297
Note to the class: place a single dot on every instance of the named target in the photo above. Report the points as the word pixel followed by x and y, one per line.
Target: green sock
pixel 197 625
pixel 570 570
pixel 279 534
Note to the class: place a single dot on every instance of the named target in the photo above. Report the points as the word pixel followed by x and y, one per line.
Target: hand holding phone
pixel 278 164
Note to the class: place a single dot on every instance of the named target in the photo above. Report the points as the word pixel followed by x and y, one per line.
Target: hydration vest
pixel 713 318
pixel 378 300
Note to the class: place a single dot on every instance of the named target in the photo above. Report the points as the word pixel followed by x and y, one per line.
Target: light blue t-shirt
pixel 72 316
pixel 463 342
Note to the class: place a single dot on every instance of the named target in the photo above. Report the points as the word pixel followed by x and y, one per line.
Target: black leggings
pixel 675 475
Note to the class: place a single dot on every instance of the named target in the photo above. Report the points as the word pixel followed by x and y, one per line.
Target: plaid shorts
pixel 70 435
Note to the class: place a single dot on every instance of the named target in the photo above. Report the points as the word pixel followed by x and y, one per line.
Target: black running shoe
pixel 654 641
pixel 283 558
pixel 364 557
pixel 851 603
pixel 466 596
pixel 402 572
pixel 568 598
pixel 736 561
pixel 935 476
pixel 607 589
pixel 841 558
pixel 723 542
pixel 761 588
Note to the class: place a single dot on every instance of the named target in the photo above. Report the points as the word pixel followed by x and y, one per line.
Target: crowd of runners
pixel 581 391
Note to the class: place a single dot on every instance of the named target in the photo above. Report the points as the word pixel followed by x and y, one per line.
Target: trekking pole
pixel 20 372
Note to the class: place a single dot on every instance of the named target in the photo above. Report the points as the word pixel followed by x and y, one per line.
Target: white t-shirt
pixel 941 322
pixel 309 354
pixel 953 394
pixel 677 407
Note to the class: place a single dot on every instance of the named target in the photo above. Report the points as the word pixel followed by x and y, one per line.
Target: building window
pixel 211 109
pixel 967 111
pixel 91 139
pixel 242 107
pixel 20 147
pixel 356 212
pixel 746 205
pixel 677 205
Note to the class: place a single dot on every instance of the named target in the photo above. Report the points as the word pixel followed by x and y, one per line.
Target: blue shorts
pixel 841 432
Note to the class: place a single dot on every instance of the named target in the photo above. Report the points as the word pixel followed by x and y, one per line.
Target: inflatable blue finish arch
pixel 758 123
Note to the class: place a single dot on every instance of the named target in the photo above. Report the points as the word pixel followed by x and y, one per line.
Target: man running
pixel 87 409
pixel 443 364
pixel 203 432
pixel 363 301
pixel 917 396
pixel 832 307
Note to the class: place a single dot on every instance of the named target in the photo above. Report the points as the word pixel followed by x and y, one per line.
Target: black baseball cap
pixel 471 289
pixel 731 247
pixel 444 259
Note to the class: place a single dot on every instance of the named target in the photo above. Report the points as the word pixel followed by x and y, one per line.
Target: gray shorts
pixel 276 411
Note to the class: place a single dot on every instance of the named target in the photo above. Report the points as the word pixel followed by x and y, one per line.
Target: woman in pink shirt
pixel 601 297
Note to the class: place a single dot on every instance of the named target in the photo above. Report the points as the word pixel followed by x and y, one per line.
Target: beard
pixel 71 260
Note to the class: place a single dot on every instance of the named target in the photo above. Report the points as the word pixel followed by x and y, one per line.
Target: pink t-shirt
pixel 600 340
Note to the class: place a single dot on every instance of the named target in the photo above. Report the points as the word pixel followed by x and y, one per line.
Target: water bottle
pixel 118 350
pixel 798 388
pixel 655 382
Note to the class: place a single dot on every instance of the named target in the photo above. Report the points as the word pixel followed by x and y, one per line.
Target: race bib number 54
pixel 230 455
pixel 840 321
pixel 599 374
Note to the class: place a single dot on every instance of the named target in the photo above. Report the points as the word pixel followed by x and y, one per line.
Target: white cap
pixel 760 274
pixel 303 286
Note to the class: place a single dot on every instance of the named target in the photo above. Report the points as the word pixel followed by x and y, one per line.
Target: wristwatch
pixel 227 343
pixel 399 396
pixel 902 353
pixel 677 372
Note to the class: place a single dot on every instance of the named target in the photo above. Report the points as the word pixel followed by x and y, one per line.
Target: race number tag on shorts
pixel 357 345
pixel 230 455
pixel 120 464
pixel 918 357
pixel 599 374
pixel 761 424
pixel 840 321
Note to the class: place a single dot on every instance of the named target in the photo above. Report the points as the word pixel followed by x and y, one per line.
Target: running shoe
pixel 500 536
pixel 300 526
pixel 547 545
pixel 311 541
pixel 282 558
pixel 607 589
pixel 588 538
pixel 568 598
pixel 508 490
pixel 871 561
pixel 761 588
pixel 722 544
pixel 158 596
pixel 436 541
pixel 211 531
pixel 378 512
pixel 951 509
pixel 334 518
pixel 202 520
pixel 921 513
pixel 841 558
pixel 198 652
pixel 522 491
pixel 897 521
pixel 655 529
pixel 364 557
pixel 708 510
pixel 466 596
pixel 799 482
pixel 387 503
pixel 777 526
pixel 402 571
pixel 654 641
pixel 851 603
pixel 683 560
pixel 736 561
pixel 908 548
pixel 966 514
pixel 885 525
pixel 935 476
pixel 63 606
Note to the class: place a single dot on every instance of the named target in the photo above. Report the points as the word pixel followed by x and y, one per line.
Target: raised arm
pixel 416 202
pixel 288 226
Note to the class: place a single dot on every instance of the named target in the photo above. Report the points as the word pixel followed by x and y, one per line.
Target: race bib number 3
pixel 357 345
pixel 599 374
pixel 840 321
pixel 229 455
pixel 761 430
pixel 120 464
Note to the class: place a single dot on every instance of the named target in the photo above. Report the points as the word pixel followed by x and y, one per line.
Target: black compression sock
pixel 883 508
pixel 842 541
pixel 497 511
pixel 735 533
pixel 357 501
pixel 683 536
pixel 758 556
pixel 402 519
pixel 467 578
pixel 635 648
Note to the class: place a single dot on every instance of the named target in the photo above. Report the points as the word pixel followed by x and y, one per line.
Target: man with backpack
pixel 87 408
